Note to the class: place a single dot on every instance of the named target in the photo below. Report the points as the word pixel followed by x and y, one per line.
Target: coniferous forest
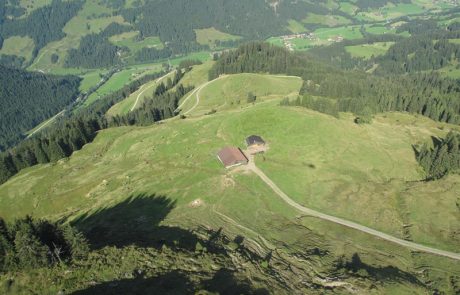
pixel 27 99
pixel 441 159
pixel 43 25
pixel 28 243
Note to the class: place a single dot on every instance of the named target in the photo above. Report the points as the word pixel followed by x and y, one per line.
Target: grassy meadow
pixel 129 40
pixel 367 174
pixel 118 80
pixel 231 92
pixel 367 51
pixel 209 36
pixel 19 46
pixel 369 178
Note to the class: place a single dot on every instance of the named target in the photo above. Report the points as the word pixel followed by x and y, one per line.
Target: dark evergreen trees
pixel 27 99
pixel 44 24
pixel 28 244
pixel 441 159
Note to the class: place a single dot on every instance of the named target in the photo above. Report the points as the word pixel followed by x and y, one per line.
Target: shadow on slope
pixel 135 221
pixel 170 283
pixel 223 282
pixel 381 274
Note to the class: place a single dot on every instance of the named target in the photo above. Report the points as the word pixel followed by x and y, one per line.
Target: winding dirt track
pixel 414 246
pixel 147 88
pixel 197 91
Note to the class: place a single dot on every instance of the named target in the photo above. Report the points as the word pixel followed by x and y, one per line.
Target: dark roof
pixel 230 156
pixel 254 139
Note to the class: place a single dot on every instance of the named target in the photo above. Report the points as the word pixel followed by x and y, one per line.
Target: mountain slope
pixel 177 159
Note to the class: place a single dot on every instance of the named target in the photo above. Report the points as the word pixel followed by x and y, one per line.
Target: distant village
pixel 309 36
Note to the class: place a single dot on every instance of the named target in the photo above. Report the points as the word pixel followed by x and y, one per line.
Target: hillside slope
pixel 177 159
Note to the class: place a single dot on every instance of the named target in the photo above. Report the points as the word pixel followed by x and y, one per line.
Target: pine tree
pixel 30 252
pixel 440 164
pixel 77 244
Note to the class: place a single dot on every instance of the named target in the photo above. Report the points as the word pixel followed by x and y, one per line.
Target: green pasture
pixel 327 20
pixel 19 46
pixel 231 92
pixel 209 36
pixel 366 51
pixel 295 26
pixel 120 79
pixel 129 39
pixel 367 174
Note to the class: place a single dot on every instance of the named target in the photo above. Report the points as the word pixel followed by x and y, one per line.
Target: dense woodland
pixel 27 99
pixel 95 50
pixel 441 159
pixel 30 244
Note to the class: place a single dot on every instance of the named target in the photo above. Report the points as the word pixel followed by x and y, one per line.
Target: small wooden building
pixel 231 157
pixel 255 141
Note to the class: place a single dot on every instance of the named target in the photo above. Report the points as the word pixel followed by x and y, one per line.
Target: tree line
pixel 30 244
pixel 354 91
pixel 161 105
pixel 96 51
pixel 73 131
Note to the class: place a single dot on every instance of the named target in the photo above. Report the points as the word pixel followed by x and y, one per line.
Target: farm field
pixel 452 71
pixel 327 35
pixel 366 51
pixel 19 46
pixel 296 27
pixel 327 20
pixel 209 36
pixel 128 40
pixel 32 5
pixel 90 79
pixel 390 11
pixel 159 210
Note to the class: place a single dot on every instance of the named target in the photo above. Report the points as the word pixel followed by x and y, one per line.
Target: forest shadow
pixel 223 282
pixel 171 284
pixel 135 221
pixel 384 274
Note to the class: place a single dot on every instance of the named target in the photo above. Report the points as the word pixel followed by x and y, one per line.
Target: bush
pixel 251 97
